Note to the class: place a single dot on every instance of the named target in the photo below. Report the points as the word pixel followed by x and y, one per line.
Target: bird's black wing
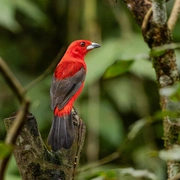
pixel 62 90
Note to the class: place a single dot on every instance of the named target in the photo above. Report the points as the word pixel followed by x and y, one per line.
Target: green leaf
pixel 160 50
pixel 98 60
pixel 108 119
pixel 157 52
pixel 30 9
pixel 111 174
pixel 112 49
pixel 4 150
pixel 143 69
pixel 118 68
pixel 170 154
pixel 8 10
pixel 7 16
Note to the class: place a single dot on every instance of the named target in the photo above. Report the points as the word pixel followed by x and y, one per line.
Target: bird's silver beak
pixel 92 46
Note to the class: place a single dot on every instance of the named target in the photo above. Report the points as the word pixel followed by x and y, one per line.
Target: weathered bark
pixel 156 33
pixel 35 161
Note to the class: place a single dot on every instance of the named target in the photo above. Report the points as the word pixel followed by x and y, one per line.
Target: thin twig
pixel 13 134
pixel 18 123
pixel 19 91
pixel 174 15
pixel 146 20
pixel 100 162
pixel 11 80
pixel 47 71
pixel 107 159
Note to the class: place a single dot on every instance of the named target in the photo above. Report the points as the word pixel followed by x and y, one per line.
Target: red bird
pixel 67 84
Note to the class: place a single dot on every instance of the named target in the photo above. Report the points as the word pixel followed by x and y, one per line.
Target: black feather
pixel 62 90
pixel 61 133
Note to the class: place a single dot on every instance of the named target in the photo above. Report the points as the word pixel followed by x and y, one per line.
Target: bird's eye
pixel 82 44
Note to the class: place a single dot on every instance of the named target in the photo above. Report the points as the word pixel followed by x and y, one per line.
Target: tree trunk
pixel 35 161
pixel 151 17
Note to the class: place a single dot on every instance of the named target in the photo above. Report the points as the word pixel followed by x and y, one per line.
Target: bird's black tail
pixel 61 133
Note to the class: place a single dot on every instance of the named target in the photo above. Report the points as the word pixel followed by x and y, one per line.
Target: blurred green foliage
pixel 120 84
pixel 4 150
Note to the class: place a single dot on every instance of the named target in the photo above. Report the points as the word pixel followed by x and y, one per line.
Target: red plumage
pixel 67 84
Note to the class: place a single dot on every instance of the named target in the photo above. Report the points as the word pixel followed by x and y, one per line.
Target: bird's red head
pixel 80 48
